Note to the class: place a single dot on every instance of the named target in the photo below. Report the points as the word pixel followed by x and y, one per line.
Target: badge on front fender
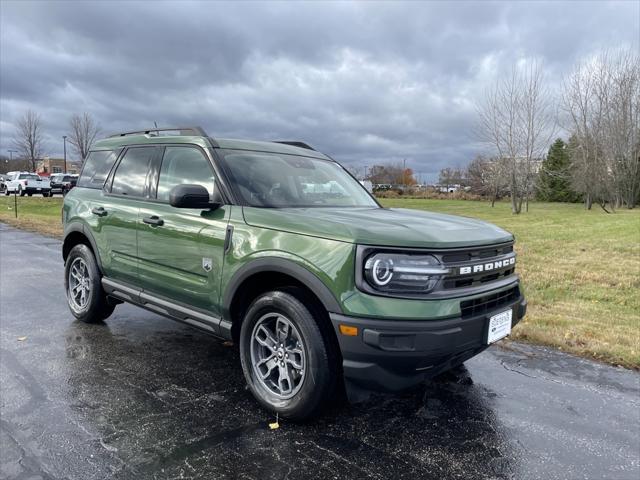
pixel 207 264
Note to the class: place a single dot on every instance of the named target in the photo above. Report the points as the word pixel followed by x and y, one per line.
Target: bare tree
pixel 601 100
pixel 487 177
pixel 451 176
pixel 28 139
pixel 517 121
pixel 84 131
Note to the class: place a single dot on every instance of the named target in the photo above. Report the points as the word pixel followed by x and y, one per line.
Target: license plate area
pixel 499 326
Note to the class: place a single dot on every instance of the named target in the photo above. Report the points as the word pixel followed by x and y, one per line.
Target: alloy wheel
pixel 278 355
pixel 79 284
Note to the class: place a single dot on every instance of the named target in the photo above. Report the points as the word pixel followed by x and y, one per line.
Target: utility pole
pixel 404 169
pixel 15 197
pixel 365 172
pixel 11 152
pixel 64 142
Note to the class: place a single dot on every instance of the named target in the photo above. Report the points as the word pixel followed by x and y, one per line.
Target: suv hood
pixel 398 227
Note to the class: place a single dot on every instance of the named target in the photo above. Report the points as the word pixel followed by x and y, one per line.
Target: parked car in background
pixel 26 183
pixel 3 180
pixel 62 182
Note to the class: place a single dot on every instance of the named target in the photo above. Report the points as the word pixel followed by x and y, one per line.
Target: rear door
pixel 180 250
pixel 118 211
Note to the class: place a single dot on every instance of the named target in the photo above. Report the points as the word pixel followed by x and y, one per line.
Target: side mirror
pixel 194 196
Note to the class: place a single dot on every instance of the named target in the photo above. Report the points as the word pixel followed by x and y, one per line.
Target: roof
pixel 206 142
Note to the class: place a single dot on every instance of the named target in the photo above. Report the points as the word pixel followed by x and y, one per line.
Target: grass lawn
pixel 37 214
pixel 581 269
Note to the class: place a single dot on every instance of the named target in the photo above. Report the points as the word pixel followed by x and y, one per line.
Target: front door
pixel 180 250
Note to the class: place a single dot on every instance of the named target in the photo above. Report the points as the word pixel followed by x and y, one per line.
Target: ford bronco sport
pixel 276 247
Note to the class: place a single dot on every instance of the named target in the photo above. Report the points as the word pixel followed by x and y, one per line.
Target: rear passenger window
pixel 184 165
pixel 96 168
pixel 131 173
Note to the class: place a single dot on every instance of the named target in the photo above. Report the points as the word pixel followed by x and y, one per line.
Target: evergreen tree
pixel 554 181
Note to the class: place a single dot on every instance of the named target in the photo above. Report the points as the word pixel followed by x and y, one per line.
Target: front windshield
pixel 281 180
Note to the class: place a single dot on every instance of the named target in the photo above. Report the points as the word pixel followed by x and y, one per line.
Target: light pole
pixel 404 169
pixel 64 142
pixel 11 152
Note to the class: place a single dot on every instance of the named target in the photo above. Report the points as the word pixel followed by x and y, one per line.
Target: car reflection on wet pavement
pixel 143 397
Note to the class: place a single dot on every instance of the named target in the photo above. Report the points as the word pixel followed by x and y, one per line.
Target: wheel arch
pixel 267 274
pixel 75 234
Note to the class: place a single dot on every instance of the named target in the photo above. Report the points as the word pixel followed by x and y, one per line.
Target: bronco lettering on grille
pixel 486 267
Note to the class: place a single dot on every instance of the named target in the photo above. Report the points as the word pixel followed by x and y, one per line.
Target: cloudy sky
pixel 363 81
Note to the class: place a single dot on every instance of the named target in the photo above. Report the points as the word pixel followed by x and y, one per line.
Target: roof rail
pixel 192 131
pixel 295 144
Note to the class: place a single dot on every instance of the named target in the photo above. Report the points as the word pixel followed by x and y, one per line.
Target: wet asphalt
pixel 143 397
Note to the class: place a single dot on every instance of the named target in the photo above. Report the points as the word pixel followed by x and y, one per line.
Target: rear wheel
pixel 85 295
pixel 20 191
pixel 287 355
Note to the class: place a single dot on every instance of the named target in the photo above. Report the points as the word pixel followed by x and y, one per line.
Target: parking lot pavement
pixel 144 397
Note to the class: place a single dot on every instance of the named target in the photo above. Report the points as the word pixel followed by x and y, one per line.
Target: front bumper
pixel 393 355
pixel 35 189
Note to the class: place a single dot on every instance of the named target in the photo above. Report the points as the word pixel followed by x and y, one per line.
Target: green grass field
pixel 34 213
pixel 581 269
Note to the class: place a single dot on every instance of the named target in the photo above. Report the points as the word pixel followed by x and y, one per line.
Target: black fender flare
pixel 79 227
pixel 280 265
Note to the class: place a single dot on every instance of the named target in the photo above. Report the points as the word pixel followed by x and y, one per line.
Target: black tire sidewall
pixel 318 381
pixel 97 308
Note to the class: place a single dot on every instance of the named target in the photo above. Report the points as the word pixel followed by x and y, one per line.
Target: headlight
pixel 403 273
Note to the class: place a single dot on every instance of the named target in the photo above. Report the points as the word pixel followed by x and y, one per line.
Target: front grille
pixel 469 267
pixel 477 254
pixel 488 303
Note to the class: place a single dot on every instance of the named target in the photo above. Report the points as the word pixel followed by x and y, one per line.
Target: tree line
pixel 29 138
pixel 599 108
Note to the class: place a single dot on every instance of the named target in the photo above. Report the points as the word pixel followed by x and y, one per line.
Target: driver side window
pixel 182 165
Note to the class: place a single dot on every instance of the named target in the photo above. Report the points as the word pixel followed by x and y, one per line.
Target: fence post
pixel 15 203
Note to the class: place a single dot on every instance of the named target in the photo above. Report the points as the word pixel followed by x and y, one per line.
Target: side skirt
pixel 180 313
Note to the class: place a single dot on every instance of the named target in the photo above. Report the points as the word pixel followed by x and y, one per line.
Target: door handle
pixel 153 220
pixel 99 211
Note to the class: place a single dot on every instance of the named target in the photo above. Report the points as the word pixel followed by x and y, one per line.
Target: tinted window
pixel 184 165
pixel 131 173
pixel 281 180
pixel 26 176
pixel 96 168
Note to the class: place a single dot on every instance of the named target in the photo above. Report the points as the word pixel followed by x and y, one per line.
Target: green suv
pixel 276 247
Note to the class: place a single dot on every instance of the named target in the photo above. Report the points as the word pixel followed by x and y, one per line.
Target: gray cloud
pixel 365 82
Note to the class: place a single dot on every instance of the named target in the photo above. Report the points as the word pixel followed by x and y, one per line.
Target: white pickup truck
pixel 25 183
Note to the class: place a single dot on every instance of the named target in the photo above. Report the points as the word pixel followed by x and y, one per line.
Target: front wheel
pixel 288 357
pixel 85 296
pixel 20 191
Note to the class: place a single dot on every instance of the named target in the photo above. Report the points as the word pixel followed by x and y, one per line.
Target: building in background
pixel 48 166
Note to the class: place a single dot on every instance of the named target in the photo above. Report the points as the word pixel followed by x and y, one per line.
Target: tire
pixel 93 307
pixel 20 191
pixel 6 192
pixel 310 346
pixel 46 194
